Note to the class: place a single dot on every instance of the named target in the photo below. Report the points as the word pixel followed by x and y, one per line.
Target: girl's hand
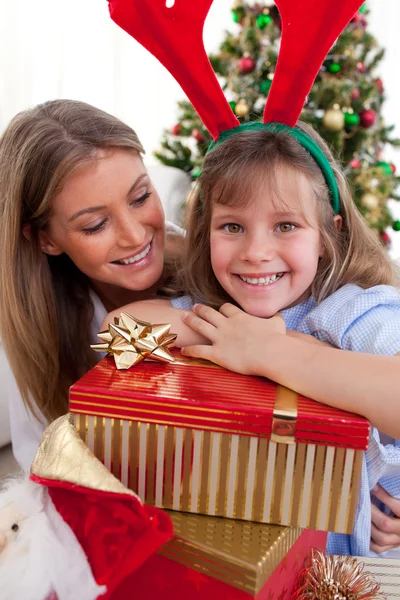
pixel 238 340
pixel 385 531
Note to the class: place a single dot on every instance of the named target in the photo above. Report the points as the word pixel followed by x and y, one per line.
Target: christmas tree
pixel 344 105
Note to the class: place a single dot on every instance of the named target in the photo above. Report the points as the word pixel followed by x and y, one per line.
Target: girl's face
pixel 109 220
pixel 265 254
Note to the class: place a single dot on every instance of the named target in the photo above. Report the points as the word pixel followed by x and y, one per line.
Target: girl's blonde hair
pixel 45 305
pixel 235 169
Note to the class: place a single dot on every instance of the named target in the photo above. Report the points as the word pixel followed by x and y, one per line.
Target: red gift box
pixel 217 558
pixel 191 436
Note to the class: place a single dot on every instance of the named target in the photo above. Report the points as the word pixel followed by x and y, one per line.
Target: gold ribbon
pixel 284 416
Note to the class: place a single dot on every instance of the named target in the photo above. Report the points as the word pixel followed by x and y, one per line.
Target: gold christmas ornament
pixel 333 119
pixel 131 340
pixel 370 201
pixel 329 577
pixel 242 108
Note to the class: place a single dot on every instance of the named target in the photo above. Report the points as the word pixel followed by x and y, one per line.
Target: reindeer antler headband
pixel 175 37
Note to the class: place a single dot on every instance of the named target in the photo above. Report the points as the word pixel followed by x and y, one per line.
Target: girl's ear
pixel 47 245
pixel 338 222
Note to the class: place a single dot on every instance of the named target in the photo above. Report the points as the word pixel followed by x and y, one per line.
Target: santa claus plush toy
pixel 71 530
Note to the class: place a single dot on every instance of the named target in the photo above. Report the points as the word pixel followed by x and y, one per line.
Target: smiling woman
pixel 82 232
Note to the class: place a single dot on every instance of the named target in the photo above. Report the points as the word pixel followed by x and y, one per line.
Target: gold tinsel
pixel 329 577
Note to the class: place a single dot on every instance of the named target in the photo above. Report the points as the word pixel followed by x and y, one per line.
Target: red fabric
pixel 161 578
pixel 116 532
pixel 175 36
pixel 309 29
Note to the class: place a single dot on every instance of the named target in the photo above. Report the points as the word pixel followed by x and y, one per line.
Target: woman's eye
pixel 141 199
pixel 94 229
pixel 286 227
pixel 233 228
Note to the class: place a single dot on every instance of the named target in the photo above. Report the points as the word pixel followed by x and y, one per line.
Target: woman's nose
pixel 130 233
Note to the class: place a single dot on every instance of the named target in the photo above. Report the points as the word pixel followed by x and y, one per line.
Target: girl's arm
pixel 159 311
pixel 162 311
pixel 362 383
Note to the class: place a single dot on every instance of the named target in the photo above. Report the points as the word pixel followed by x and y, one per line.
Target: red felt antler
pixel 309 29
pixel 175 36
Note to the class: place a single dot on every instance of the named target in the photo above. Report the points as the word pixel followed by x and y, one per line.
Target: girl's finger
pixel 385 523
pixel 229 310
pixel 379 549
pixel 383 539
pixel 203 352
pixel 393 503
pixel 208 314
pixel 200 325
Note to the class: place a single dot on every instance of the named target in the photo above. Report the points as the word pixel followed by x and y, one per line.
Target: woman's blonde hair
pixel 235 169
pixel 45 305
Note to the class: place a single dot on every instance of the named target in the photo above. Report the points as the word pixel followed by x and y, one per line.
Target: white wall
pixel 72 49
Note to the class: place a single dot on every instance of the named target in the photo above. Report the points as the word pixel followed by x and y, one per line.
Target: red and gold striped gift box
pixel 190 436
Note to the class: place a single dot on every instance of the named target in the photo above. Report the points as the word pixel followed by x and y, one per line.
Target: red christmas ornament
pixel 197 134
pixel 359 19
pixel 246 65
pixel 360 67
pixel 355 94
pixel 385 238
pixel 379 85
pixel 176 129
pixel 367 117
pixel 355 163
pixel 393 167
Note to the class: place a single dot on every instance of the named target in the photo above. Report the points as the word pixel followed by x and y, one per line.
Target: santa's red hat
pixel 115 530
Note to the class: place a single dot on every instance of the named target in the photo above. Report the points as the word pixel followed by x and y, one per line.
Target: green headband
pixel 304 140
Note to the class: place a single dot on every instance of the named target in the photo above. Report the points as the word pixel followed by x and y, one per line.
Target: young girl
pixel 82 231
pixel 265 235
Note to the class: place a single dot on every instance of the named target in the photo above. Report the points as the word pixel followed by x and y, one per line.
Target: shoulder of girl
pixel 350 302
pixel 353 294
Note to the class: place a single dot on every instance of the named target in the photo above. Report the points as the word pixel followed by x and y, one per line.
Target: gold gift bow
pixel 131 340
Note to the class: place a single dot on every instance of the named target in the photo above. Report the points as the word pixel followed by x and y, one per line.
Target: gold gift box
pixel 193 437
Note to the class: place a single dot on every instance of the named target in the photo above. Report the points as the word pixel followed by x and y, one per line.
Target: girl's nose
pixel 259 250
pixel 3 541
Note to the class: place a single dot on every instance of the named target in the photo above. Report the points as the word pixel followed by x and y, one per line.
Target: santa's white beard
pixel 45 555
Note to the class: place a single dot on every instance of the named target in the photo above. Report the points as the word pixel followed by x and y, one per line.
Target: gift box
pixel 193 437
pixel 214 558
pixel 386 572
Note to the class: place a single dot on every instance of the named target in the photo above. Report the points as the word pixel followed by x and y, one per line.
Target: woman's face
pixel 109 220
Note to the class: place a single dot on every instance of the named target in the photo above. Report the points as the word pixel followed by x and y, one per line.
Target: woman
pixel 81 232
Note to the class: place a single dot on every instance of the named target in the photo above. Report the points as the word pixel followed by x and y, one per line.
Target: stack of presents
pixel 251 474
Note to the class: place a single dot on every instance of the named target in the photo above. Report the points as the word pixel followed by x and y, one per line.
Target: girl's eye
pixel 15 526
pixel 233 228
pixel 141 200
pixel 95 229
pixel 285 227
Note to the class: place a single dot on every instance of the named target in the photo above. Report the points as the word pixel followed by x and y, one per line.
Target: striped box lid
pixel 202 396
